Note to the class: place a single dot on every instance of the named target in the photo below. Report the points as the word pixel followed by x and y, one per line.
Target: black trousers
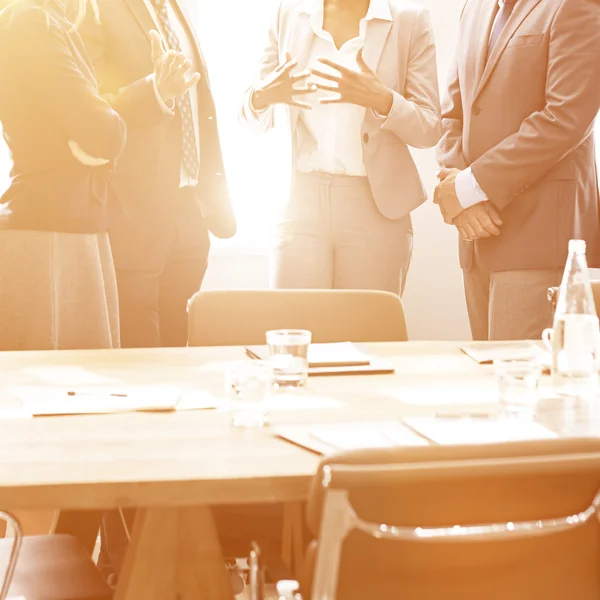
pixel 161 255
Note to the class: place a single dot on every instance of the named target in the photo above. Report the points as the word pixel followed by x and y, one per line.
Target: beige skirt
pixel 58 291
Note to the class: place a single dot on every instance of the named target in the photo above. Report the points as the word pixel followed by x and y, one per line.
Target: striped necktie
pixel 502 16
pixel 184 104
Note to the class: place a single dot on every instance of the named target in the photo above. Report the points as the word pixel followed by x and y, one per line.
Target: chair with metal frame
pixel 50 567
pixel 516 521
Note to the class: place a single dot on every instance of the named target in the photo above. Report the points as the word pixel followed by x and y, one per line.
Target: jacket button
pixel 366 138
pixel 476 110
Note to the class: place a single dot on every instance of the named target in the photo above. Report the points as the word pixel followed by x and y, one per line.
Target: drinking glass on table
pixel 288 355
pixel 518 381
pixel 249 384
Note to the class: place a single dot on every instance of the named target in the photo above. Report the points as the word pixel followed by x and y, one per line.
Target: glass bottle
pixel 575 336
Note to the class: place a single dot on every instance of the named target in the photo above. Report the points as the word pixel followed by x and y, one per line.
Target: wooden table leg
pixel 174 553
pixel 84 525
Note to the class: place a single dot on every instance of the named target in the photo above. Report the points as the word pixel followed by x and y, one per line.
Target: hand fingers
pixel 339 68
pixel 288 66
pixel 493 214
pixel 180 62
pixel 302 90
pixel 192 81
pixel 156 45
pixel 487 224
pixel 470 231
pixel 360 61
pixel 301 76
pixel 169 62
pixel 463 233
pixel 327 88
pixel 443 173
pixel 327 76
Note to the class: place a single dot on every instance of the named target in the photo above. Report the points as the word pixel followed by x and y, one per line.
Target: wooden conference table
pixel 176 464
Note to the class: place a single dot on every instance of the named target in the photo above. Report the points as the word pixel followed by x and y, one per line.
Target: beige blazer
pixel 402 52
pixel 523 120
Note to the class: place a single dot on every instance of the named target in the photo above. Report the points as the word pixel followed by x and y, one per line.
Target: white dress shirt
pixel 336 129
pixel 468 190
pixel 188 50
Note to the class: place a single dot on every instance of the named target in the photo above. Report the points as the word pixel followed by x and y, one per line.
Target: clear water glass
pixel 249 384
pixel 518 382
pixel 288 355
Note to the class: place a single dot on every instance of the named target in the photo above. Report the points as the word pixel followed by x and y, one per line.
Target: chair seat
pixel 53 567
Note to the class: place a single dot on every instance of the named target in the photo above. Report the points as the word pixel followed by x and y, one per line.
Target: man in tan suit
pixel 518 163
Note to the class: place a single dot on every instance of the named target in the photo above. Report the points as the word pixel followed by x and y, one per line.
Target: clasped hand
pixel 171 70
pixel 481 220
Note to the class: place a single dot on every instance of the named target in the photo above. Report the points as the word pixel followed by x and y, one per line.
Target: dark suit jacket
pixel 147 176
pixel 49 97
pixel 523 121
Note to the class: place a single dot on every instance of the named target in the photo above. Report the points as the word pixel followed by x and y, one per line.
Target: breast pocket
pixel 530 39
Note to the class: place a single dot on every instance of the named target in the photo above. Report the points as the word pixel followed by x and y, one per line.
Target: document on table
pixel 342 354
pixel 49 401
pixel 477 430
pixel 488 352
pixel 337 437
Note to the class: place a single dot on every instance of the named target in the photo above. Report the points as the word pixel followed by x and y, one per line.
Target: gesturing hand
pixel 363 87
pixel 171 70
pixel 480 221
pixel 281 87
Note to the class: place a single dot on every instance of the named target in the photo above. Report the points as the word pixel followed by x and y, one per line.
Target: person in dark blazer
pixel 170 178
pixel 57 278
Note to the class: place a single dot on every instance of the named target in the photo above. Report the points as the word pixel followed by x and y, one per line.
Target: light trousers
pixel 332 236
pixel 509 305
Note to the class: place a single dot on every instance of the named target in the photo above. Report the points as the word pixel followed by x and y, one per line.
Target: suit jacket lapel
pixel 142 16
pixel 375 37
pixel 520 12
pixel 484 23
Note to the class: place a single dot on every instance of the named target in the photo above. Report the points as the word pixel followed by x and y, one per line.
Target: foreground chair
pixel 516 521
pixel 47 568
pixel 241 317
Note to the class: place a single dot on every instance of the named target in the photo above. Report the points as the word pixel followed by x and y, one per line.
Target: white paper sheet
pixel 452 431
pixel 355 436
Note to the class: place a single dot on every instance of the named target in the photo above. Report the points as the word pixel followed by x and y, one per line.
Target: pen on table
pixel 96 394
pixel 252 354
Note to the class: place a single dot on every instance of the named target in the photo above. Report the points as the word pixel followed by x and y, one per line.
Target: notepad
pixel 476 430
pixel 45 401
pixel 342 354
pixel 489 352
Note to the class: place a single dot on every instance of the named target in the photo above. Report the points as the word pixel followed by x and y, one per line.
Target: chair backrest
pixel 14 553
pixel 241 317
pixel 539 497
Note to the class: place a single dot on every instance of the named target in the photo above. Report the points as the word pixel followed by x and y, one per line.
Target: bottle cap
pixel 577 247
pixel 287 587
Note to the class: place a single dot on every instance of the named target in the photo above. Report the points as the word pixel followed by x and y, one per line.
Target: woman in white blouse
pixel 360 80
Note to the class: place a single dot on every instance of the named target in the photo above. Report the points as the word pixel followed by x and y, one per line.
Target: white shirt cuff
pixel 468 191
pixel 168 110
